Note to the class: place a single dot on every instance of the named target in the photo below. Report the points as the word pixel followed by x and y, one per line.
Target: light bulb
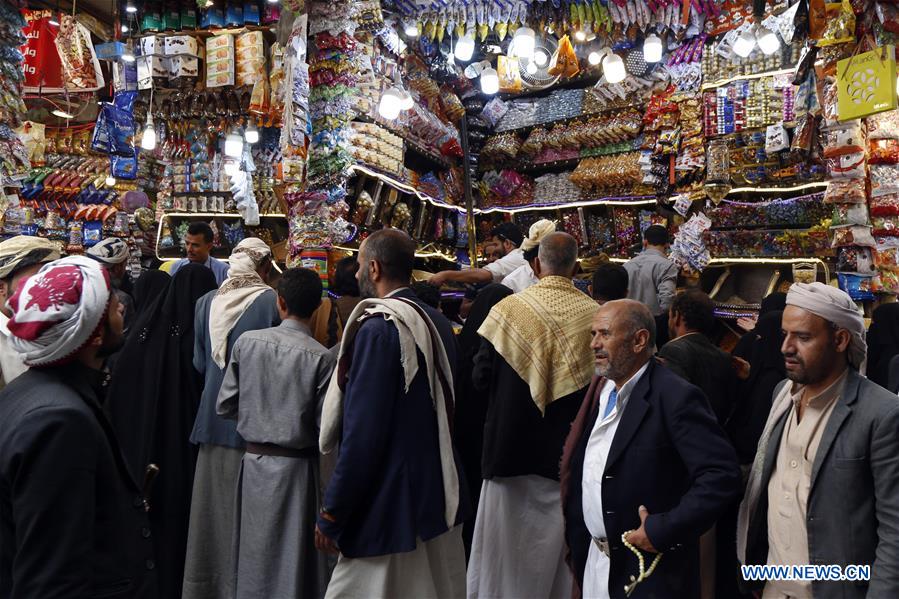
pixel 125 29
pixel 130 8
pixel 744 44
pixel 251 134
pixel 580 36
pixel 613 68
pixel 464 47
pixel 540 58
pixel 406 101
pixel 652 48
pixel 523 43
pixel 532 68
pixel 411 30
pixel 768 41
pixel 391 104
pixel 489 81
pixel 148 140
pixel 233 145
pixel 110 181
pixel 593 58
pixel 62 114
pixel 272 1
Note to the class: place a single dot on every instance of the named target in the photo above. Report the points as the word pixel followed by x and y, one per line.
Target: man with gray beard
pixel 646 467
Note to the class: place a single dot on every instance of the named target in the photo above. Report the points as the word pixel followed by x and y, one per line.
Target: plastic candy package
pixel 845 191
pixel 885 205
pixel 846 139
pixel 850 214
pixel 884 180
pixel 886 226
pixel 855 259
pixel 884 125
pixel 859 287
pixel 852 235
pixel 883 151
pixel 886 258
pixel 847 166
pixel 493 111
pixel 564 62
pixel 776 138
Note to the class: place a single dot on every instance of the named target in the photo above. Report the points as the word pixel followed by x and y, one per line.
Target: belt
pixel 602 545
pixel 281 452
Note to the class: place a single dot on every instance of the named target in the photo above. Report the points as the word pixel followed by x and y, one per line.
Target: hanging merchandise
pixel 866 83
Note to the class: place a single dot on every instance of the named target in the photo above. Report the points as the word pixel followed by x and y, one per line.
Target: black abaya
pixel 883 343
pixel 149 287
pixel 152 402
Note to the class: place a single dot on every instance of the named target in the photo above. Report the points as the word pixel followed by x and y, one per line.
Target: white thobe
pixel 596 573
pixel 521 278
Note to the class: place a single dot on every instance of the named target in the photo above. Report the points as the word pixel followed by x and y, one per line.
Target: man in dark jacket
pixel 395 502
pixel 645 461
pixel 72 519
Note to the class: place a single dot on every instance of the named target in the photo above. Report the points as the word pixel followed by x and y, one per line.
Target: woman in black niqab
pixel 148 288
pixel 152 403
pixel 883 343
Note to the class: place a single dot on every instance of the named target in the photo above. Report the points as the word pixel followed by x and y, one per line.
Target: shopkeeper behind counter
pixel 507 237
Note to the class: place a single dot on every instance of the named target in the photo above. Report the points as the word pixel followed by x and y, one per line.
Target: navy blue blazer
pixel 387 489
pixel 669 454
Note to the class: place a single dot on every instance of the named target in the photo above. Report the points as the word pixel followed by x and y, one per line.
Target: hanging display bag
pixel 866 83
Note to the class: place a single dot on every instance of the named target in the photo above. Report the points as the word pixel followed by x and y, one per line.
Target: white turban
pixel 111 250
pixel 833 305
pixel 58 310
pixel 536 233
pixel 236 294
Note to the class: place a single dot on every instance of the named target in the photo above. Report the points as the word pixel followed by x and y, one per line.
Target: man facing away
pixel 505 237
pixel 112 253
pixel 20 257
pixel 198 243
pixel 609 283
pixel 243 303
pixel 652 276
pixel 535 366
pixel 274 386
pixel 395 503
pixel 824 486
pixel 72 519
pixel 524 276
pixel 645 459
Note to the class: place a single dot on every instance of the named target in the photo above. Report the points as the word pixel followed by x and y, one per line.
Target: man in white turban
pixel 113 254
pixel 824 486
pixel 523 277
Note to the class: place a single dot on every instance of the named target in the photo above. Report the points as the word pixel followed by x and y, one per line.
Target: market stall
pixel 765 136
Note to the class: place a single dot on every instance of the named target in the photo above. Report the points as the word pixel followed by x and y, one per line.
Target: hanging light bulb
pixel 652 48
pixel 125 29
pixel 130 7
pixel 540 58
pixel 251 133
pixel 62 114
pixel 580 36
pixel 406 101
pixel 110 181
pixel 391 104
pixel 465 47
pixel 411 29
pixel 233 145
pixel 148 139
pixel 489 81
pixel 593 58
pixel 744 44
pixel 531 69
pixel 523 43
pixel 768 41
pixel 613 68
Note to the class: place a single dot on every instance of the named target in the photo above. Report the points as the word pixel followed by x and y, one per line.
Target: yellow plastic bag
pixel 840 26
pixel 564 61
pixel 509 74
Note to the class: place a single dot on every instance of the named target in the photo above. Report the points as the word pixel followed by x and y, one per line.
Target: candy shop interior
pixel 763 135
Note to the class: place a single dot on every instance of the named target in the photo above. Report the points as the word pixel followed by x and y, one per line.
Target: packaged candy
pixel 886 258
pixel 885 205
pixel 776 138
pixel 859 287
pixel 884 125
pixel 886 226
pixel 850 214
pixel 889 281
pixel 92 233
pixel 855 259
pixel 846 139
pixel 493 111
pixel 852 235
pixel 845 191
pixel 884 179
pixel 883 151
pixel 76 238
pixel 847 166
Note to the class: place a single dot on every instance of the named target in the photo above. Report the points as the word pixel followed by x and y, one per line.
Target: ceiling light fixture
pixel 125 29
pixel 489 81
pixel 593 58
pixel 767 40
pixel 465 47
pixel 130 8
pixel 148 139
pixel 744 44
pixel 523 43
pixel 233 145
pixel 251 133
pixel 652 48
pixel 613 68
pixel 391 104
pixel 411 29
pixel 580 36
pixel 541 58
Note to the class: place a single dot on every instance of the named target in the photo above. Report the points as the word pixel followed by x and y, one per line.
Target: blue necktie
pixel 613 397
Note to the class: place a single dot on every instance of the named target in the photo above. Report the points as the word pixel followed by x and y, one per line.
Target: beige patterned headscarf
pixel 543 333
pixel 236 294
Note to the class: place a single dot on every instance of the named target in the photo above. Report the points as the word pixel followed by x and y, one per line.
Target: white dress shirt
pixel 503 267
pixel 596 574
pixel 521 278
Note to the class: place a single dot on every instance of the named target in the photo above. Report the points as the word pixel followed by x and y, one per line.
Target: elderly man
pixel 72 518
pixel 113 253
pixel 535 367
pixel 646 468
pixel 824 486
pixel 20 257
pixel 244 302
pixel 395 502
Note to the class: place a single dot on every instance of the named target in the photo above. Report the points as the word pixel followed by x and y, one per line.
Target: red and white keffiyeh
pixel 58 310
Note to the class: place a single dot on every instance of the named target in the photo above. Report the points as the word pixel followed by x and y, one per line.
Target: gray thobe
pixel 274 386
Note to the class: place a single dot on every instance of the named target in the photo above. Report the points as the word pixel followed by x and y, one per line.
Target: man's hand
pixel 324 543
pixel 741 367
pixel 439 279
pixel 747 323
pixel 638 538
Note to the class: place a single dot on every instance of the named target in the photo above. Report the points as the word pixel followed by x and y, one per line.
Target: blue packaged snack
pixel 124 167
pixel 125 101
pixel 213 17
pixel 859 287
pixel 92 233
pixel 234 14
pixel 251 14
pixel 114 131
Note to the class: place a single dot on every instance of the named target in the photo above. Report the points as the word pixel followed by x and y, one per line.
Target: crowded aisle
pixel 480 299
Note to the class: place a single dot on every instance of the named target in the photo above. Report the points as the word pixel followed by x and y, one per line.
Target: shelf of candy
pixel 560 188
pixel 198 17
pixel 801 212
pixel 661 140
pixel 506 188
pixel 769 243
pixel 720 65
pixel 609 175
pixel 883 161
pixel 559 105
pixel 752 104
pixel 597 135
pixel 376 147
pixel 14 156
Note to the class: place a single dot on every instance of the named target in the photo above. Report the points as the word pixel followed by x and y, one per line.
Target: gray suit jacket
pixel 853 504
